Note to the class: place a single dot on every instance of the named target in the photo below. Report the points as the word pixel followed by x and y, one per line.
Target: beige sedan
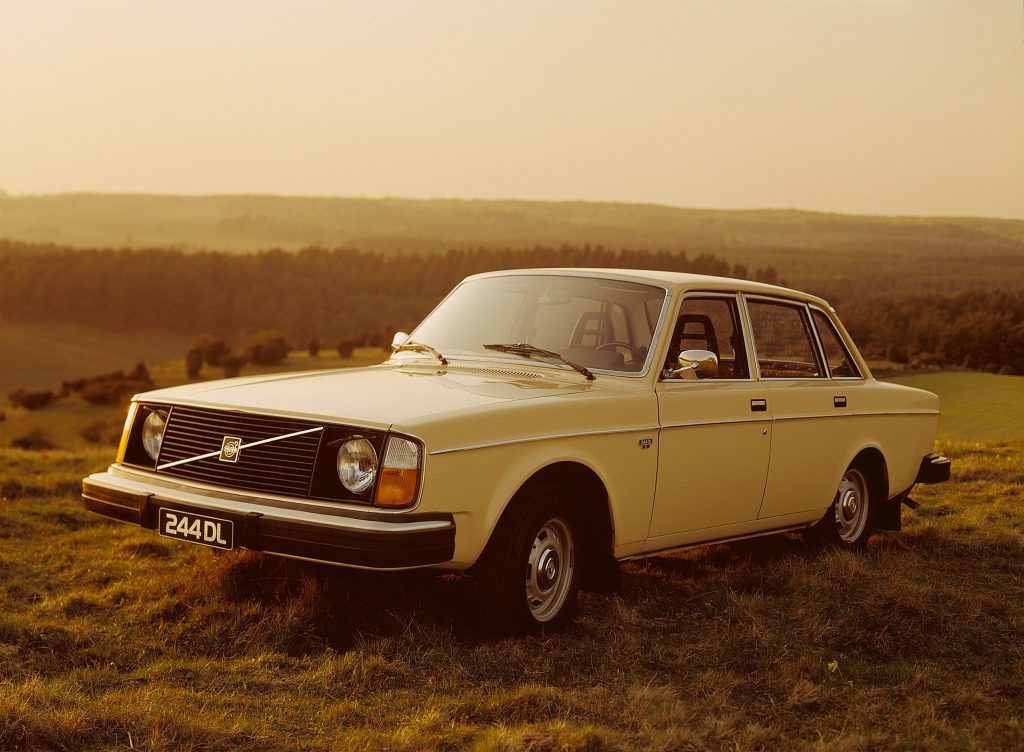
pixel 538 427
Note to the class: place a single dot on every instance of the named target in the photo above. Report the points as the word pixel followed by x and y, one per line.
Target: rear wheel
pixel 528 577
pixel 847 523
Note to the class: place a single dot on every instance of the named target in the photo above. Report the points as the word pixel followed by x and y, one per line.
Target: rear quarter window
pixel 840 362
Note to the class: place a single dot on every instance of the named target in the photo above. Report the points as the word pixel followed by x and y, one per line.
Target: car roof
pixel 674 281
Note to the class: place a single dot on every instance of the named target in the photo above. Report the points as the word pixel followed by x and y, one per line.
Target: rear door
pixel 811 411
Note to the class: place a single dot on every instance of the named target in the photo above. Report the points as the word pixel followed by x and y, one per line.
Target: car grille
pixel 280 467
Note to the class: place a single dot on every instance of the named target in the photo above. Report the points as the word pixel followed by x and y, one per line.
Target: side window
pixel 840 362
pixel 782 338
pixel 711 324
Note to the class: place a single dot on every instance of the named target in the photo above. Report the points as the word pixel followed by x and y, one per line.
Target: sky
pixel 859 106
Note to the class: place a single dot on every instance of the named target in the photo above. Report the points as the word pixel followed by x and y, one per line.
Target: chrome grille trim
pixel 277 456
pixel 241 447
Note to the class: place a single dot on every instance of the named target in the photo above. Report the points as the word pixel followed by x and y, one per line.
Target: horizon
pixel 463 199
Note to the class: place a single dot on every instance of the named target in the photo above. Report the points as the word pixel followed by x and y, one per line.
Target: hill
pixel 70 422
pixel 242 223
pixel 40 356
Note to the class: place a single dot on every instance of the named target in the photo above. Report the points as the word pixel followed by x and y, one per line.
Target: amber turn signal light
pixel 399 474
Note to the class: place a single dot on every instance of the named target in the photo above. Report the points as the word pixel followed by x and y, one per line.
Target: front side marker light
pixel 399 474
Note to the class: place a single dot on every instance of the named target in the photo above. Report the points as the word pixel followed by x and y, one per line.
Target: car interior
pixel 697 331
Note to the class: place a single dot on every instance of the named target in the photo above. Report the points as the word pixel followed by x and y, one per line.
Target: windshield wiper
pixel 411 346
pixel 528 351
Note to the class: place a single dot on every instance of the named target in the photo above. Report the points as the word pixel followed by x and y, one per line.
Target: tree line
pixel 311 292
pixel 346 298
pixel 980 331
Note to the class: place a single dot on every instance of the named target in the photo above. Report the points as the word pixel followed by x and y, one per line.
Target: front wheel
pixel 529 576
pixel 847 523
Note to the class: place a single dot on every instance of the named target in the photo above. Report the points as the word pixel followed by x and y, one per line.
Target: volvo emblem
pixel 230 448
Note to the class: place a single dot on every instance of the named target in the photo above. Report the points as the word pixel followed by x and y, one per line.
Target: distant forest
pixel 893 308
pixel 309 292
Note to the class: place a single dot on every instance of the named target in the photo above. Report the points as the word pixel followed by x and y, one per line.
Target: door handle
pixel 758 405
pixel 839 401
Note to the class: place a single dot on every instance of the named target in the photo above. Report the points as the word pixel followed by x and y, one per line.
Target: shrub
pixel 67 387
pixel 232 364
pixel 111 388
pixel 313 347
pixel 194 362
pixel 345 347
pixel 34 440
pixel 31 400
pixel 267 349
pixel 140 373
pixel 1006 370
pixel 112 391
pixel 211 348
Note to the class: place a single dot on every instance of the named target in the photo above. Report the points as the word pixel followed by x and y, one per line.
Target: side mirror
pixel 398 340
pixel 697 364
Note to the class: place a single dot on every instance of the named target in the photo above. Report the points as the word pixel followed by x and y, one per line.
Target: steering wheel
pixel 636 352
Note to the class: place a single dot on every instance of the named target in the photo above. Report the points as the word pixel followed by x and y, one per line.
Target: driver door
pixel 715 432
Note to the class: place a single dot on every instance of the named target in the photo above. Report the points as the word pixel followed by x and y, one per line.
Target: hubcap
pixel 549 569
pixel 852 506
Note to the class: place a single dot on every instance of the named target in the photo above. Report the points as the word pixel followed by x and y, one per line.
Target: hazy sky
pixel 881 106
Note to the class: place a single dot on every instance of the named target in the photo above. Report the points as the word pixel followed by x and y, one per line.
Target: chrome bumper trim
pixel 215 502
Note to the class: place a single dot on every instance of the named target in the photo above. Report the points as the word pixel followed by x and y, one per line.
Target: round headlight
pixel 357 465
pixel 153 433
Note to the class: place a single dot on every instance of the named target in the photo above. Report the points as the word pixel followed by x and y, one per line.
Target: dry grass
pixel 111 638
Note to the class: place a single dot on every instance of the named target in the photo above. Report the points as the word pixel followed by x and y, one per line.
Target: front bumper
pixel 369 540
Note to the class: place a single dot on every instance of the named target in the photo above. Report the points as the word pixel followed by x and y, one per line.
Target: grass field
pixel 112 638
pixel 975 406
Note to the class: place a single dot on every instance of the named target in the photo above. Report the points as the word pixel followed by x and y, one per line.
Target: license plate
pixel 196 528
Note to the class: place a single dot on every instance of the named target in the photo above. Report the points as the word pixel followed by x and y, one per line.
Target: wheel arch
pixel 873 459
pixel 591 502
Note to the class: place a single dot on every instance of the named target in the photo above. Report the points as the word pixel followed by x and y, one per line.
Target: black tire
pixel 848 523
pixel 529 575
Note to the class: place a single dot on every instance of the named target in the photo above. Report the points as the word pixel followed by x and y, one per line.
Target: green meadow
pixel 975 406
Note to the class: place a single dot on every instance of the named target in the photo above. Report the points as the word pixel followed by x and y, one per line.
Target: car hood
pixel 374 397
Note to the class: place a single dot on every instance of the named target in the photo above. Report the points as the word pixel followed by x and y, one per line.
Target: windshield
pixel 602 324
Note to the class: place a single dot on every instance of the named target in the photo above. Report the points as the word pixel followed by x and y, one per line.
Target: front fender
pixel 476 485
